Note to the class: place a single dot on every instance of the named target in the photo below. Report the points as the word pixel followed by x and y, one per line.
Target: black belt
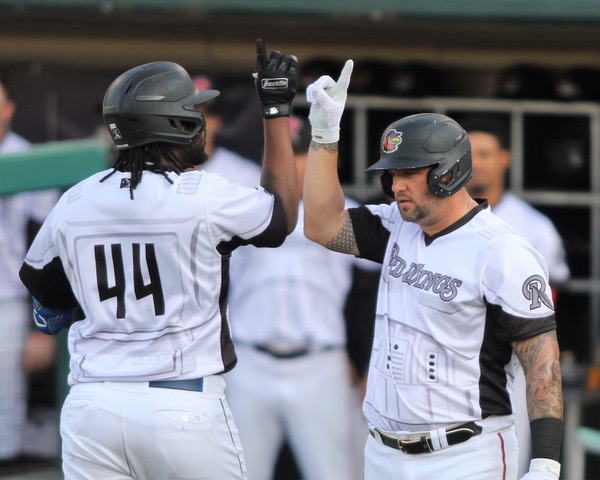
pixel 192 385
pixel 286 355
pixel 423 444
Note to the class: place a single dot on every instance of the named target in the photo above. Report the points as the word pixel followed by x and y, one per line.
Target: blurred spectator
pixel 491 160
pixel 294 380
pixel 22 350
pixel 223 160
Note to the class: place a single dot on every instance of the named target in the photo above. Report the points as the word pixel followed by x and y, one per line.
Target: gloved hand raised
pixel 542 469
pixel 275 81
pixel 328 99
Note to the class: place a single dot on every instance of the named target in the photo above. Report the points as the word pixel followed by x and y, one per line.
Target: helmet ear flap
pixel 460 173
pixel 386 181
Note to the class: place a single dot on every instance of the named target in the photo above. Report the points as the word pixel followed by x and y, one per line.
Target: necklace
pixel 468 205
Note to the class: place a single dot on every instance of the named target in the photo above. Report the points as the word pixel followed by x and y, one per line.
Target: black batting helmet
pixel 423 140
pixel 153 103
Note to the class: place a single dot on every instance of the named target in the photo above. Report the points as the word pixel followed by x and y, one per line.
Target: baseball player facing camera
pixel 460 294
pixel 143 250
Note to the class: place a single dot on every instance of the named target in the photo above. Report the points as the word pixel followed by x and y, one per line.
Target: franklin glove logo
pixel 274 83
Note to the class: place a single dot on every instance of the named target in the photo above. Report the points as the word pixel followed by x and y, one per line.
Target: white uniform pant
pixel 521 419
pixel 125 430
pixel 15 317
pixel 308 400
pixel 489 456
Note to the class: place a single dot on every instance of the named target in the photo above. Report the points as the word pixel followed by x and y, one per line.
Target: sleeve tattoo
pixel 330 147
pixel 539 357
pixel 344 241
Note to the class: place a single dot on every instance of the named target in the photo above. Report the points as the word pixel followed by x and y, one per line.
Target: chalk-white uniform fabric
pixel 291 299
pixel 448 308
pixel 539 230
pixel 151 276
pixel 233 167
pixel 16 211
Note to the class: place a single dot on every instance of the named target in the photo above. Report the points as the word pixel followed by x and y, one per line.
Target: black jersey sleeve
pixel 371 236
pixel 49 285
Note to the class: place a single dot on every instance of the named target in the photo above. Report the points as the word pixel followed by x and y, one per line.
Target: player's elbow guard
pixel 51 320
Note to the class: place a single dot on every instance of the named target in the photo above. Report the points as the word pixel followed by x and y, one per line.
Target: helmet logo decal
pixel 391 140
pixel 116 134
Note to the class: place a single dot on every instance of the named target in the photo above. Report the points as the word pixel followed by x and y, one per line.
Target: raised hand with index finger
pixel 275 79
pixel 328 99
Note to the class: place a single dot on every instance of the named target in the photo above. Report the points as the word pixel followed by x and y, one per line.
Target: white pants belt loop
pixel 439 439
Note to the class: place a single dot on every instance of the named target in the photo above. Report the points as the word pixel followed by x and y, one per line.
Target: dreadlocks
pixel 157 158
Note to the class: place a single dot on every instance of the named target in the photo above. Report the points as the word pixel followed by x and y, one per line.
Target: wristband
pixel 546 436
pixel 274 111
pixel 50 320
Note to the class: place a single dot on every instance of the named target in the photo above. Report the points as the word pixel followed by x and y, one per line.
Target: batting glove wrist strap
pixel 275 81
pixel 273 111
pixel 330 135
pixel 328 99
pixel 543 469
pixel 50 320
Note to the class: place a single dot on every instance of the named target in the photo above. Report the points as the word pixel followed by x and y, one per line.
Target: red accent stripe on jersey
pixel 503 456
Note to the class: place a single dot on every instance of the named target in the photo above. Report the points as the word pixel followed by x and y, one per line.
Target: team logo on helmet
pixel 114 130
pixel 392 140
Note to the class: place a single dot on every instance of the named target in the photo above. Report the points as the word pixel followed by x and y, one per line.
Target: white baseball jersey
pixel 538 229
pixel 150 274
pixel 448 308
pixel 233 167
pixel 15 212
pixel 261 281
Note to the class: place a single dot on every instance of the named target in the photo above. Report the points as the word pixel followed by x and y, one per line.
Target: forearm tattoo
pixel 539 358
pixel 344 241
pixel 330 147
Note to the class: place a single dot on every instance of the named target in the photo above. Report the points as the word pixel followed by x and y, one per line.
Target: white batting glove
pixel 542 469
pixel 328 99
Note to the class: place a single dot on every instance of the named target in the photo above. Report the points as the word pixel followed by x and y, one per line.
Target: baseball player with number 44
pixel 143 250
pixel 460 293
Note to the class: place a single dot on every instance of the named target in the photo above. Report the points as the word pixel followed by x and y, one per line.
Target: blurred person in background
pixel 223 160
pixel 294 382
pixel 278 459
pixel 23 351
pixel 490 152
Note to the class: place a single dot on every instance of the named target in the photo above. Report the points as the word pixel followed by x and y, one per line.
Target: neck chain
pixel 468 205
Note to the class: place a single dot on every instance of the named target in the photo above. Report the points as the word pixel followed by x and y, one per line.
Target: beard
pixel 192 157
pixel 420 211
pixel 194 154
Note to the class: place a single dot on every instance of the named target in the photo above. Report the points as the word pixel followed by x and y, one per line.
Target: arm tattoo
pixel 344 241
pixel 330 147
pixel 539 357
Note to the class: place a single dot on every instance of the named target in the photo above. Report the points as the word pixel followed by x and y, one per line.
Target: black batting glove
pixel 275 81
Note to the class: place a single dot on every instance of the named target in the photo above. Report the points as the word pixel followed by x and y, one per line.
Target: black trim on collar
pixel 482 205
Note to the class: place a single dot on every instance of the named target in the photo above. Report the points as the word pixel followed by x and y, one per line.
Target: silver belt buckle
pixel 402 444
